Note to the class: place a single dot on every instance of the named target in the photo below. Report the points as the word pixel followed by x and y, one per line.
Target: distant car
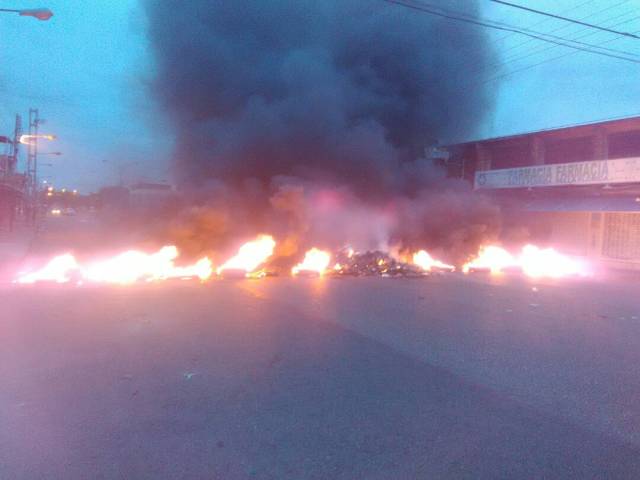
pixel 69 211
pixel 55 212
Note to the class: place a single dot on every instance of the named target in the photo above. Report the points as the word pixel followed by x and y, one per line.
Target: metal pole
pixel 32 161
pixel 15 146
pixel 35 155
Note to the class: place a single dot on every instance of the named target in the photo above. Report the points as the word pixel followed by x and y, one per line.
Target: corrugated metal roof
pixel 545 130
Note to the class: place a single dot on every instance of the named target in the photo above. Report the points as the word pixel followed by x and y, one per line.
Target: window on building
pixel 624 144
pixel 510 153
pixel 567 150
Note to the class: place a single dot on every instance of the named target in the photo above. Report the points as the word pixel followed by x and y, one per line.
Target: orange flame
pixel 251 255
pixel 125 268
pixel 202 269
pixel 533 261
pixel 133 266
pixel 427 262
pixel 57 270
pixel 537 262
pixel 315 261
pixel 492 258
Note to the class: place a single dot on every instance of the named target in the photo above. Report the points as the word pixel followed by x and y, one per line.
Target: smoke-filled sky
pixel 349 92
pixel 91 71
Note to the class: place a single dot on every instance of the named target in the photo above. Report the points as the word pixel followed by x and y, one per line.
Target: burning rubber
pixel 253 260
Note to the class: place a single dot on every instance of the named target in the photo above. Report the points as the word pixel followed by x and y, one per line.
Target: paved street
pixel 447 377
pixel 277 240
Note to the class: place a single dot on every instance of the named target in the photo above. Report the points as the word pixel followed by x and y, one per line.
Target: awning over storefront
pixel 585 204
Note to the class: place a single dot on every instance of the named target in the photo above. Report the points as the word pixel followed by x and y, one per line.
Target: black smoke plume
pixel 280 105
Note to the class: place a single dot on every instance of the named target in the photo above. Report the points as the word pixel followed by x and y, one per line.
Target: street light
pixel 25 139
pixel 43 14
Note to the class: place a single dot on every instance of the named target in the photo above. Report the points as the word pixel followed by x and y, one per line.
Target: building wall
pixel 570 232
pixel 610 237
pixel 617 139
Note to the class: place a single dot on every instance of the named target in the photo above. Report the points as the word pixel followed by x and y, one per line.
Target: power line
pixel 479 66
pixel 545 20
pixel 477 22
pixel 598 12
pixel 531 34
pixel 518 70
pixel 523 55
pixel 535 52
pixel 566 19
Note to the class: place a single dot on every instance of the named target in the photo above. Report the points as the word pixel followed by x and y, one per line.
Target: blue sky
pixel 577 88
pixel 88 67
pixel 86 70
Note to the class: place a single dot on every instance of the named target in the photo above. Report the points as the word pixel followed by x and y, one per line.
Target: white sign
pixel 437 153
pixel 620 170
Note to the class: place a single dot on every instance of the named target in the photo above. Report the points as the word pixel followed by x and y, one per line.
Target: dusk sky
pixel 88 68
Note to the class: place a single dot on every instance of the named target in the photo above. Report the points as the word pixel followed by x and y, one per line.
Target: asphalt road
pixel 446 377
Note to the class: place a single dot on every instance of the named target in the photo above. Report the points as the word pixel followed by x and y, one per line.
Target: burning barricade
pixel 253 257
pixel 126 268
pixel 424 260
pixel 373 263
pixel 315 263
pixel 250 256
pixel 532 261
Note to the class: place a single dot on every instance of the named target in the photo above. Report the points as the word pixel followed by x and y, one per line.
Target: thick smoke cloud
pixel 273 97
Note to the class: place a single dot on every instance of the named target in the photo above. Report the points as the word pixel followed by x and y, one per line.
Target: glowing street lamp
pixel 42 14
pixel 26 139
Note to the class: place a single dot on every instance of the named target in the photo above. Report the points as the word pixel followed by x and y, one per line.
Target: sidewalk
pixel 14 247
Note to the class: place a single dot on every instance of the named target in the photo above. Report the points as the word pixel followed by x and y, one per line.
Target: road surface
pixel 370 378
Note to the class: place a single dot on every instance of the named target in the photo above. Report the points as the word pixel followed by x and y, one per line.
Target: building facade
pixel 576 187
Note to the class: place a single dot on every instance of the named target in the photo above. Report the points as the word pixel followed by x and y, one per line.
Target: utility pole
pixel 32 161
pixel 32 151
pixel 15 146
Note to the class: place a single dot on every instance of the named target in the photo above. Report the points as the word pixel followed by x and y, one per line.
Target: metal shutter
pixel 621 236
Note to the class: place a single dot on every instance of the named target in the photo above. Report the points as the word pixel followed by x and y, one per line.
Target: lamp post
pixel 31 140
pixel 42 14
